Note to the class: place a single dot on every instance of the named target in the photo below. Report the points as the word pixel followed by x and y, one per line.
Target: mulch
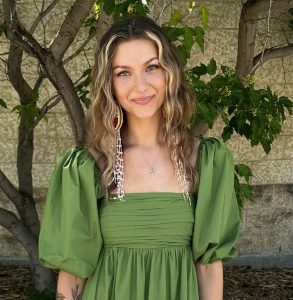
pixel 240 283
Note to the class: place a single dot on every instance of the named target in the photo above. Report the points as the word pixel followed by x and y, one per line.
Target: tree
pixel 234 86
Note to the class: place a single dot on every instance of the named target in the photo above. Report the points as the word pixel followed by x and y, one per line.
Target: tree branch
pixel 80 49
pixel 65 87
pixel 7 218
pixel 15 75
pixel 9 190
pixel 39 82
pixel 247 31
pixel 256 7
pixel 69 28
pixel 18 35
pixel 46 107
pixel 272 53
pixel 266 39
pixel 12 223
pixel 42 14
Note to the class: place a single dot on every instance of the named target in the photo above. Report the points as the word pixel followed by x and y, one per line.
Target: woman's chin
pixel 145 115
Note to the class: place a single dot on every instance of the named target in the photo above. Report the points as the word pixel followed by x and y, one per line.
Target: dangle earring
pixel 181 175
pixel 118 173
pixel 118 118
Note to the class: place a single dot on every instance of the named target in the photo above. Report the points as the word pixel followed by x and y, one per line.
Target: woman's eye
pixel 123 74
pixel 152 67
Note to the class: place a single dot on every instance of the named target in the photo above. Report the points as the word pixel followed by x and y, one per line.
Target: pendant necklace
pixel 152 170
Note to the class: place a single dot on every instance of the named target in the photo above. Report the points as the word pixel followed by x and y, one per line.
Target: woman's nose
pixel 140 83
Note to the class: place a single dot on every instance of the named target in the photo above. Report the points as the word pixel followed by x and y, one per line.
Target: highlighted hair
pixel 177 108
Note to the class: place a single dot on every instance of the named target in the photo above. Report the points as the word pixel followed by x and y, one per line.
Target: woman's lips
pixel 143 100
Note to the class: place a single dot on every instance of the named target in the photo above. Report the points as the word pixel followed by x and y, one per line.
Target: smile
pixel 143 101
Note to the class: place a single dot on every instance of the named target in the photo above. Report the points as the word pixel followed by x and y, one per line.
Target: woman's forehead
pixel 134 51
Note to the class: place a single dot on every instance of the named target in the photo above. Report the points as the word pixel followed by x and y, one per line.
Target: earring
pixel 118 174
pixel 118 118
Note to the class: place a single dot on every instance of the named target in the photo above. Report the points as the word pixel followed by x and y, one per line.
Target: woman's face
pixel 139 82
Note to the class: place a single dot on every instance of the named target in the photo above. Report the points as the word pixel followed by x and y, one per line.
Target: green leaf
pixel 97 8
pixel 176 17
pixel 199 37
pixel 231 109
pixel 276 127
pixel 173 32
pixel 243 171
pixel 142 9
pixel 199 70
pixel 206 113
pixel 287 103
pixel 212 67
pixel 108 6
pixel 246 190
pixel 186 46
pixel 266 144
pixel 2 103
pixel 191 6
pixel 224 117
pixel 204 17
pixel 227 132
pixel 17 107
pixel 245 129
pixel 92 30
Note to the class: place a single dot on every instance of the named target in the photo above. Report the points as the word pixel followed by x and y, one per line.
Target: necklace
pixel 152 170
pixel 118 174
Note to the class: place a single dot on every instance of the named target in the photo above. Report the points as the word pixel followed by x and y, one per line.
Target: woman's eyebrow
pixel 126 67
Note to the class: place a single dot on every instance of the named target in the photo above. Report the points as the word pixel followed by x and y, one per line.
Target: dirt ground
pixel 240 283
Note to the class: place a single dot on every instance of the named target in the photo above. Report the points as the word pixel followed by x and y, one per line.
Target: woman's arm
pixel 69 287
pixel 210 280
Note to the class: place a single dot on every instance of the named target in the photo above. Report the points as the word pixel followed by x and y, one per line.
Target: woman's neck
pixel 142 132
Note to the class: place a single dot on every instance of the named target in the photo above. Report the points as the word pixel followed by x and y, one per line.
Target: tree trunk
pixel 43 278
pixel 25 150
pixel 246 40
pixel 25 228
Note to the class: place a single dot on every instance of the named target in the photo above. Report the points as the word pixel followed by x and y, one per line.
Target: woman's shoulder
pixel 75 157
pixel 209 142
pixel 208 145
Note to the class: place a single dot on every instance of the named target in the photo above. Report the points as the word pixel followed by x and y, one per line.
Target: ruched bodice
pixel 147 220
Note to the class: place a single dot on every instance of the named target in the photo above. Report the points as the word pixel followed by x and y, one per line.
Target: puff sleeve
pixel 217 218
pixel 70 237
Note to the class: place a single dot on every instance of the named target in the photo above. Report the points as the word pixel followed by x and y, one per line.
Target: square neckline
pixel 201 138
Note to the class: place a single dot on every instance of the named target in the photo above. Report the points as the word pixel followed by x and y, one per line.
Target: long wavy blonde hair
pixel 177 108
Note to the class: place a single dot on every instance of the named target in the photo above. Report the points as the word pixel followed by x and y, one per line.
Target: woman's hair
pixel 177 108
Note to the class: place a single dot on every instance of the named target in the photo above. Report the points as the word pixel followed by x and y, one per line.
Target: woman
pixel 146 211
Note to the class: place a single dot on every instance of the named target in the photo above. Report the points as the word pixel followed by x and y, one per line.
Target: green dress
pixel 143 248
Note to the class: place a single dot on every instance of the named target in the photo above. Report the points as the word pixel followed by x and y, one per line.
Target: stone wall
pixel 267 223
